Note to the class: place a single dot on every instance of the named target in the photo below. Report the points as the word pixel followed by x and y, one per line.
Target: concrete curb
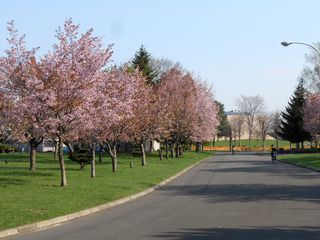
pixel 62 219
pixel 297 165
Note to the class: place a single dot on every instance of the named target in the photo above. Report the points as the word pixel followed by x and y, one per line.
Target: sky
pixel 234 45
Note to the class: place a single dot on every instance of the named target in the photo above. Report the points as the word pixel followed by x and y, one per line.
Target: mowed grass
pixel 254 143
pixel 311 160
pixel 28 197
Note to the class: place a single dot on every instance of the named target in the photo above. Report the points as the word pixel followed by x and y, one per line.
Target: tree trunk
pixel 93 160
pixel 143 155
pixel 160 152
pixel 34 143
pixel 177 149
pixel 180 150
pixel 112 150
pixel 171 150
pixel 167 149
pixel 277 143
pixel 151 147
pixel 115 158
pixel 62 165
pixel 55 154
pixel 33 153
pixel 70 148
pixel 82 165
pixel 100 152
pixel 198 147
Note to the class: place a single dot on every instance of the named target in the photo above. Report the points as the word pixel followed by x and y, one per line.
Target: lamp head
pixel 285 44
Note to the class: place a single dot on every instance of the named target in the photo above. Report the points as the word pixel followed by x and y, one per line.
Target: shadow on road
pixel 244 234
pixel 246 192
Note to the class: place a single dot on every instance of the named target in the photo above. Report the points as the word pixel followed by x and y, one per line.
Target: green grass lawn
pixel 245 142
pixel 311 160
pixel 28 197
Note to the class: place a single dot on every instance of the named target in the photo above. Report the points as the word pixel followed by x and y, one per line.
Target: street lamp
pixel 286 44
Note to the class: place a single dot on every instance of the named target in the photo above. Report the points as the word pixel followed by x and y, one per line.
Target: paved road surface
pixel 240 197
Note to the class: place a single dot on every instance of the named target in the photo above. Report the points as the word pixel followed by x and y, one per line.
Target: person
pixel 273 154
pixel 232 149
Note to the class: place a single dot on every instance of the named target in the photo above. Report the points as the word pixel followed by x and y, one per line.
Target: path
pixel 238 197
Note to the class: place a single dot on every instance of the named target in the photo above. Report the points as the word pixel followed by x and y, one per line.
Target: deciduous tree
pixel 250 106
pixel 116 106
pixel 72 73
pixel 311 116
pixel 21 88
pixel 263 126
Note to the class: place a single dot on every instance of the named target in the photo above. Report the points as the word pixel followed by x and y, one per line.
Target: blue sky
pixel 234 45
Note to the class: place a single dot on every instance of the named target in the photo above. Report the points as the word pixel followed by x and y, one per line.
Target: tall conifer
pixel 291 128
pixel 141 61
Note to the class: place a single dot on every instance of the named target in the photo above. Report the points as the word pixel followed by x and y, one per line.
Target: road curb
pixel 62 219
pixel 297 165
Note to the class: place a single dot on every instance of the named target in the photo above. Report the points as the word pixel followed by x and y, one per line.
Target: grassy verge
pixel 307 160
pixel 245 142
pixel 28 197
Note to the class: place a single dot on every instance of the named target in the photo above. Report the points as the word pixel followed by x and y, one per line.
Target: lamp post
pixel 286 44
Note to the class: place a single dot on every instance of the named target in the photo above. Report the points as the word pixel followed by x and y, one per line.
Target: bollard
pixel 131 164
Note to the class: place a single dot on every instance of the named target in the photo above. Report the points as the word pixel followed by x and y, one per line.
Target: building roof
pixel 233 113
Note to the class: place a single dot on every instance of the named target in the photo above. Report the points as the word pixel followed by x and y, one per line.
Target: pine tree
pixel 141 61
pixel 224 129
pixel 291 128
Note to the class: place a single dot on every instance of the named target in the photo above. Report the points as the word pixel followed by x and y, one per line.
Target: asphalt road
pixel 240 197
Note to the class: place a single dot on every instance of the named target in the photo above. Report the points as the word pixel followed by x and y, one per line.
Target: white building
pixel 239 126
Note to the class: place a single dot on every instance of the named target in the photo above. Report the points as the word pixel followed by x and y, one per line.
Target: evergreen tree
pixel 291 128
pixel 224 129
pixel 141 61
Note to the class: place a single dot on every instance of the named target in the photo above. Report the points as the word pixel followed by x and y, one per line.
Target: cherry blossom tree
pixel 113 108
pixel 192 114
pixel 72 73
pixel 206 112
pixel 68 95
pixel 162 121
pixel 21 87
pixel 180 91
pixel 312 115
pixel 140 124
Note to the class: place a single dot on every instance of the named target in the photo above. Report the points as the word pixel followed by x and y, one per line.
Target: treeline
pixel 72 95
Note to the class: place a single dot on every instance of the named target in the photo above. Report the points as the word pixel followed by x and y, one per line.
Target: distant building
pixel 238 125
pixel 45 146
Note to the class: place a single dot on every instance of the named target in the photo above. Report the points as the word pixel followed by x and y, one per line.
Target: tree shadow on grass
pixel 272 233
pixel 27 173
pixel 12 181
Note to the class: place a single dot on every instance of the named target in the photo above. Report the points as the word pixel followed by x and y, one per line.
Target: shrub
pixel 81 155
pixel 7 148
